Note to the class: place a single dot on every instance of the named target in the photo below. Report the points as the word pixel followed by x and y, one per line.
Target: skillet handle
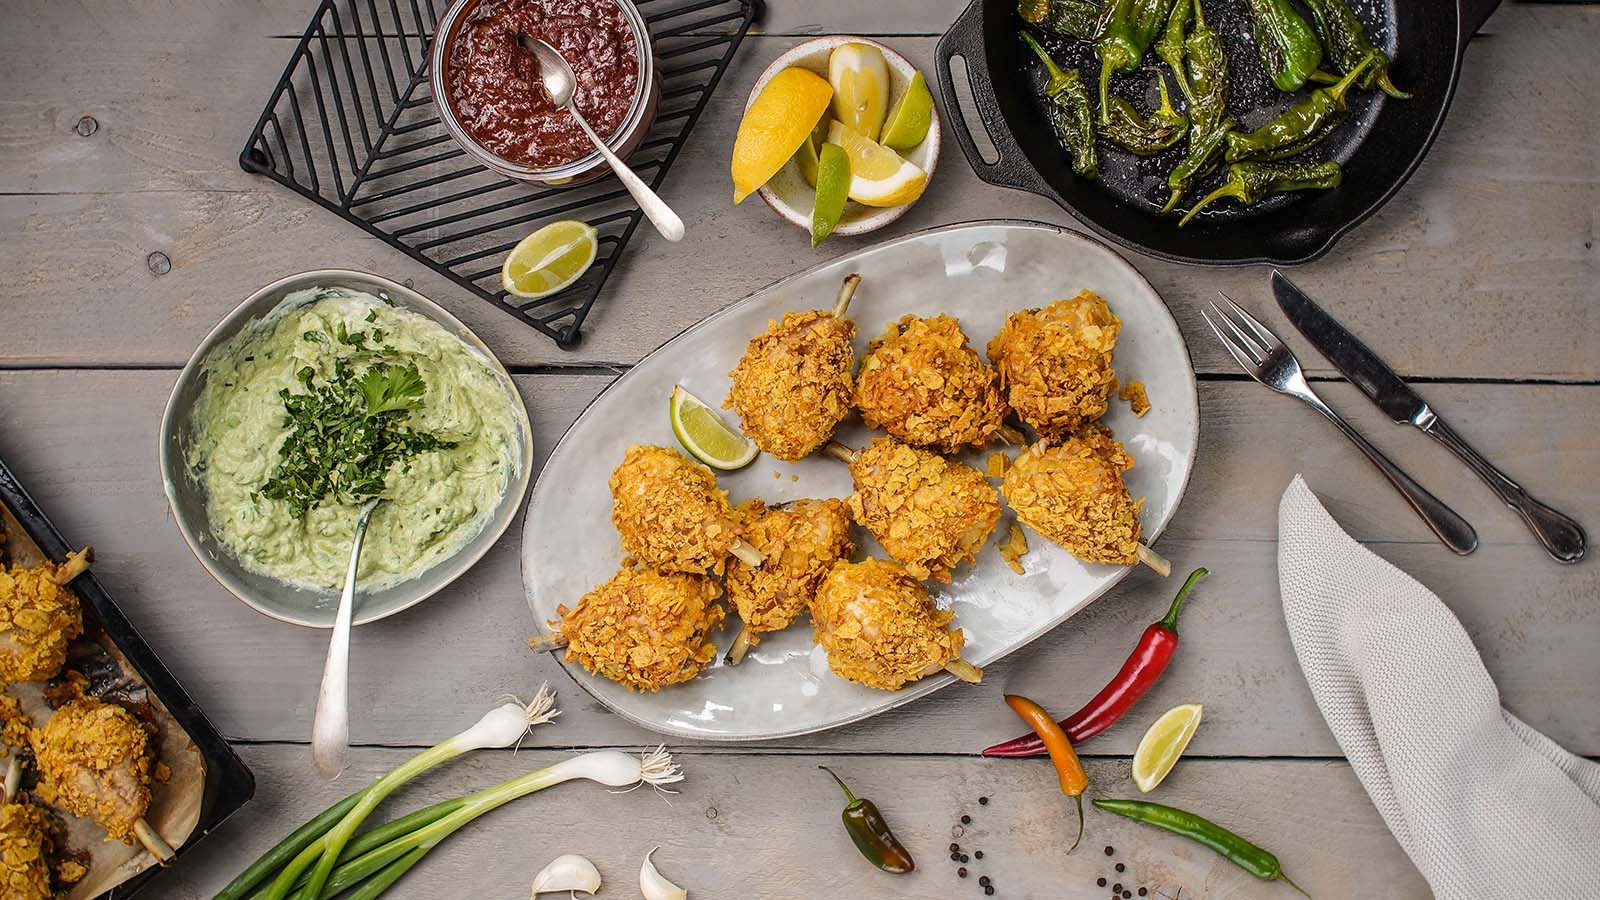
pixel 966 40
pixel 1473 14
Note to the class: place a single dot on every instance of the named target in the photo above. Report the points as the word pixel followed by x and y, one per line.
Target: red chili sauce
pixel 494 84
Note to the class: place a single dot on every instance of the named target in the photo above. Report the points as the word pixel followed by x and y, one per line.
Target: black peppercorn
pixel 1116 888
pixel 966 858
pixel 955 857
pixel 983 801
pixel 988 890
pixel 1121 867
pixel 983 880
pixel 961 872
pixel 954 847
pixel 1110 850
pixel 1127 895
pixel 977 854
pixel 966 820
pixel 1143 891
pixel 1099 882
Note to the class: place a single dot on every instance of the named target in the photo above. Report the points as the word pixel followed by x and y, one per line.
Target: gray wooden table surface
pixel 1480 279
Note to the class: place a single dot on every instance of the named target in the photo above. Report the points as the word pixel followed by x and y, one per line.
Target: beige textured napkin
pixel 1486 806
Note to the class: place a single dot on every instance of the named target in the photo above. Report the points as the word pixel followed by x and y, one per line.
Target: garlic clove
pixel 567 873
pixel 653 886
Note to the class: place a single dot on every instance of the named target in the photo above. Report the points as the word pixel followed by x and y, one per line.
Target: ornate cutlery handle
pixel 1452 530
pixel 1562 537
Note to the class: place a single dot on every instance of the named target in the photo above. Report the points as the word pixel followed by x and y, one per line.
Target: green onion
pixel 286 849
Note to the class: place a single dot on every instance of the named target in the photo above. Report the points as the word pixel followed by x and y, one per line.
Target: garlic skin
pixel 567 873
pixel 653 886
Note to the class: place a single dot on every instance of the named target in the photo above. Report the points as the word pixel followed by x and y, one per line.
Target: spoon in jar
pixel 330 730
pixel 559 83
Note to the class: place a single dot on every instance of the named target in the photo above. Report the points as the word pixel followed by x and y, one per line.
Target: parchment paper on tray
pixel 174 806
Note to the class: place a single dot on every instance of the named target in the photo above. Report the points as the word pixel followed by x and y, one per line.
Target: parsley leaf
pixel 388 388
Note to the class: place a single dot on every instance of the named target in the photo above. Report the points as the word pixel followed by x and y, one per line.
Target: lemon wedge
pixel 860 78
pixel 910 117
pixel 878 176
pixel 780 119
pixel 705 435
pixel 1161 746
pixel 549 260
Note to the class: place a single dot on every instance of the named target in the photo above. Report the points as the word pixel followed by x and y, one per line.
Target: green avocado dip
pixel 336 397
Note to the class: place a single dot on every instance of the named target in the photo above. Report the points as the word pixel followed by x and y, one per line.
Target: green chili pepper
pixel 1252 182
pixel 1345 41
pixel 1208 75
pixel 1298 127
pixel 1289 48
pixel 871 833
pixel 1141 136
pixel 1080 19
pixel 1205 154
pixel 1233 848
pixel 1169 47
pixel 1071 112
pixel 1130 27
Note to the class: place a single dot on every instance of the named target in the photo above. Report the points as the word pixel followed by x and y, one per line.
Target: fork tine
pixel 1240 337
pixel 1234 350
pixel 1268 339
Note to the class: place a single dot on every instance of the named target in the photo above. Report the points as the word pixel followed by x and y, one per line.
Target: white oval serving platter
pixel 977 272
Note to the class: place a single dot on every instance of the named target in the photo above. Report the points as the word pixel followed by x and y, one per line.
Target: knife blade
pixel 1562 537
pixel 1350 356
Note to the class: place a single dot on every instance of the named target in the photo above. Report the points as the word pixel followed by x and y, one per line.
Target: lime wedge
pixel 1161 746
pixel 549 260
pixel 910 117
pixel 703 433
pixel 833 188
pixel 806 156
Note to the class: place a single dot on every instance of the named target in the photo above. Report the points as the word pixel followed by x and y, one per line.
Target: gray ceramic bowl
pixel 269 596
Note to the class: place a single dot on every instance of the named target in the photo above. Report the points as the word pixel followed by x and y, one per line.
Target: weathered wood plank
pixel 759 827
pixel 1536 621
pixel 1493 219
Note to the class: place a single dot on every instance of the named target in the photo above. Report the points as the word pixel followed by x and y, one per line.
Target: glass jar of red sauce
pixel 488 94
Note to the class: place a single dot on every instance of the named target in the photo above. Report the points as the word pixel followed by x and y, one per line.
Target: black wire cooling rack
pixel 351 125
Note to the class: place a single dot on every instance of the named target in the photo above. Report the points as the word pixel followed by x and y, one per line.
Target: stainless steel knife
pixel 1562 538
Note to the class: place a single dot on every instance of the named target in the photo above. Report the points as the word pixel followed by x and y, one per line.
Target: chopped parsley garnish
pixel 346 433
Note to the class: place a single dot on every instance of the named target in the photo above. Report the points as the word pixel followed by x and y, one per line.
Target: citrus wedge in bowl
pixel 1161 746
pixel 705 435
pixel 778 121
pixel 878 176
pixel 549 260
pixel 859 74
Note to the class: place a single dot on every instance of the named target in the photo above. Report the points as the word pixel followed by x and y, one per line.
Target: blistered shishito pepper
pixel 1208 75
pixel 1298 127
pixel 870 832
pixel 1130 28
pixel 1289 48
pixel 1252 182
pixel 1080 19
pixel 1345 44
pixel 1140 136
pixel 1205 154
pixel 1169 47
pixel 1071 112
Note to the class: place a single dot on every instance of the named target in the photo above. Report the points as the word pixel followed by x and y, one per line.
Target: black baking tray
pixel 229 783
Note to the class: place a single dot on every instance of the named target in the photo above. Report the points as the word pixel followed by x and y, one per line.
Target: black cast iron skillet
pixel 1379 147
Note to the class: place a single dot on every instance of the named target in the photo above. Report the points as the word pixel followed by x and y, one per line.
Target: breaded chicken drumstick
pixel 881 628
pixel 1055 363
pixel 792 387
pixel 924 385
pixel 39 614
pixel 671 516
pixel 800 542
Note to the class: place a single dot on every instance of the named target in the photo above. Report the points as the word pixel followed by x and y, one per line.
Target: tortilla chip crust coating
pixel 25 846
pixel 793 385
pixel 669 512
pixel 929 513
pixel 37 619
pixel 94 761
pixel 1055 363
pixel 880 627
pixel 1073 494
pixel 644 629
pixel 923 384
pixel 800 543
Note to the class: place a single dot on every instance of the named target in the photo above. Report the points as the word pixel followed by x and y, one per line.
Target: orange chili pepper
pixel 1074 780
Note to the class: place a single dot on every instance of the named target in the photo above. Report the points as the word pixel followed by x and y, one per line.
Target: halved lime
pixel 549 260
pixel 833 188
pixel 910 117
pixel 1161 746
pixel 703 433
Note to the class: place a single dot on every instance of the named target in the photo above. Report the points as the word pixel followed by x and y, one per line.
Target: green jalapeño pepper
pixel 1289 48
pixel 1232 847
pixel 1071 113
pixel 1205 154
pixel 871 833
pixel 1169 47
pixel 1080 19
pixel 1252 182
pixel 1299 126
pixel 1345 41
pixel 1145 137
pixel 1208 76
pixel 1131 26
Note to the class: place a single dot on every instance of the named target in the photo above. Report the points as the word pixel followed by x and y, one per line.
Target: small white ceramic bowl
pixel 787 192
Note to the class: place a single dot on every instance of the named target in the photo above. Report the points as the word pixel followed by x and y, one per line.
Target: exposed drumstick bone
pixel 76 564
pixel 840 452
pixel 13 777
pixel 741 646
pixel 1154 560
pixel 747 554
pixel 153 842
pixel 554 640
pixel 846 291
pixel 964 670
pixel 1012 435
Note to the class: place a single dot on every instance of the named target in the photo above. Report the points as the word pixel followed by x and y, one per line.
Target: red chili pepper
pixel 1143 668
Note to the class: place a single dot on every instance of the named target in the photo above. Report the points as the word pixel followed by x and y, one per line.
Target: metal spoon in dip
pixel 330 731
pixel 559 83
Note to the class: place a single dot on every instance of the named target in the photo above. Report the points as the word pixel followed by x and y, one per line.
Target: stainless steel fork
pixel 1269 362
